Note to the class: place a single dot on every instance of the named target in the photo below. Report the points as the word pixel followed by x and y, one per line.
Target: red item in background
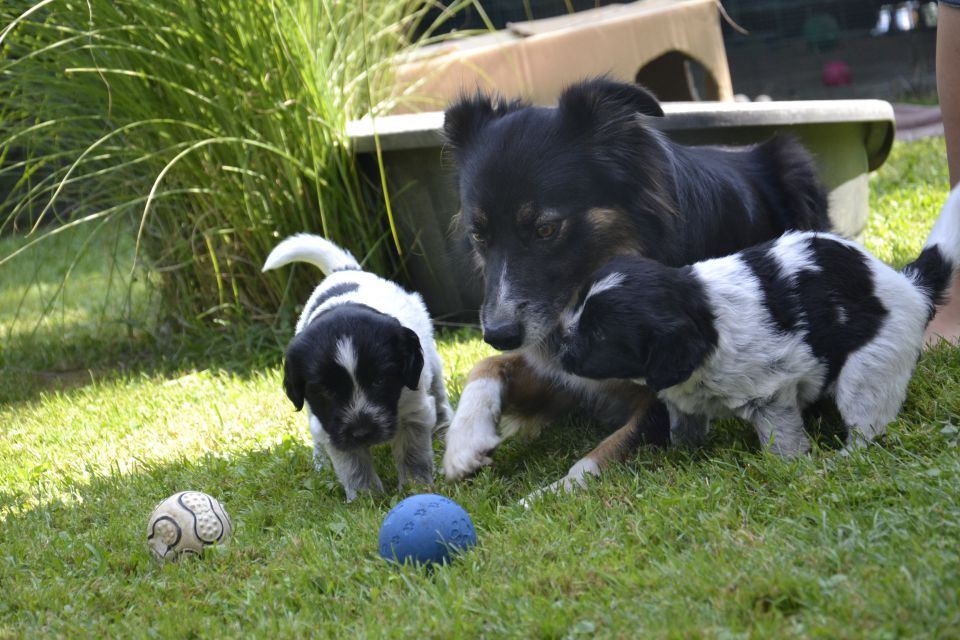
pixel 836 74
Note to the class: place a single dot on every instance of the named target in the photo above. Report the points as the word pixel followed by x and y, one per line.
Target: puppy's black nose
pixel 503 336
pixel 365 430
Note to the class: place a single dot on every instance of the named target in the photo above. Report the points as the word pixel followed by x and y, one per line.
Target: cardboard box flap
pixel 590 17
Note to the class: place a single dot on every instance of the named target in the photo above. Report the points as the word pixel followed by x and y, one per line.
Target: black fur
pixel 839 305
pixel 934 273
pixel 389 357
pixel 332 292
pixel 778 291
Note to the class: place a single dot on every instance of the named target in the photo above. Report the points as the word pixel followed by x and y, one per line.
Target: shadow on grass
pixel 45 362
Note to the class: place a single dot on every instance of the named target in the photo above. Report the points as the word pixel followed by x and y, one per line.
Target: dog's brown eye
pixel 546 230
pixel 479 237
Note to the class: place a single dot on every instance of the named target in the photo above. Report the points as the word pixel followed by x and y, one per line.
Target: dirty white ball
pixel 186 523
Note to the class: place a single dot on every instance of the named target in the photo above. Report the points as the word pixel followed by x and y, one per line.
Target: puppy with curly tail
pixel 765 332
pixel 364 363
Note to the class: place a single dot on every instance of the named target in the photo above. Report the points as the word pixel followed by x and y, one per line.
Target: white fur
pixel 793 254
pixel 305 247
pixel 571 317
pixel 576 478
pixel 346 357
pixel 873 383
pixel 420 412
pixel 945 234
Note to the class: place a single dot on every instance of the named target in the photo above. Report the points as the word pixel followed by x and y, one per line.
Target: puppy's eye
pixel 599 334
pixel 479 237
pixel 546 230
pixel 320 394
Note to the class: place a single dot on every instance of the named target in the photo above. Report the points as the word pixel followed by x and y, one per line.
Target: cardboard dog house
pixel 673 47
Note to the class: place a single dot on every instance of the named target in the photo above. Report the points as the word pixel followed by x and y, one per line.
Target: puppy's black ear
pixel 674 358
pixel 599 101
pixel 294 382
pixel 295 370
pixel 411 358
pixel 467 116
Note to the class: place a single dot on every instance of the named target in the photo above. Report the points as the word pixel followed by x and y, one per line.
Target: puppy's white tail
pixel 933 271
pixel 320 252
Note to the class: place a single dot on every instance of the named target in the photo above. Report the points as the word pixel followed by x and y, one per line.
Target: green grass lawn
pixel 98 423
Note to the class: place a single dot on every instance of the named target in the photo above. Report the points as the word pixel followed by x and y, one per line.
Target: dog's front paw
pixel 472 436
pixel 575 479
pixel 469 448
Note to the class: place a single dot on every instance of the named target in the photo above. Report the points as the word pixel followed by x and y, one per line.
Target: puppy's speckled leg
pixel 413 444
pixel 688 431
pixel 780 428
pixel 355 471
pixel 439 393
pixel 353 468
pixel 318 455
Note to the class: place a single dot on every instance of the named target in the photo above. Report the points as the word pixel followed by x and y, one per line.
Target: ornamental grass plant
pixel 212 128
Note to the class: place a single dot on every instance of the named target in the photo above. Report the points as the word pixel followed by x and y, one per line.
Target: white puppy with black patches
pixel 765 332
pixel 364 363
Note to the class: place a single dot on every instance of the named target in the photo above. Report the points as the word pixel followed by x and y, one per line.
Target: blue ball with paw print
pixel 426 529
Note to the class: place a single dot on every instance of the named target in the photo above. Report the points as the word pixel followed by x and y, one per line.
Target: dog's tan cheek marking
pixel 622 442
pixel 610 227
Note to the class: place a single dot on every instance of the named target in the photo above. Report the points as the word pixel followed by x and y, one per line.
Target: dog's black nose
pixel 504 336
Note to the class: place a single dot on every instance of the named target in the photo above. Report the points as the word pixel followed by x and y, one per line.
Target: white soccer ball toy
pixel 185 524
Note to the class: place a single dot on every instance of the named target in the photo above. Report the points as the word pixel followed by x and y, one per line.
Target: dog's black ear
pixel 468 115
pixel 412 358
pixel 600 100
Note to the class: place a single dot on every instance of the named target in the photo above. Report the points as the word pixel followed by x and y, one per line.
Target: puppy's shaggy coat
pixel 364 363
pixel 763 333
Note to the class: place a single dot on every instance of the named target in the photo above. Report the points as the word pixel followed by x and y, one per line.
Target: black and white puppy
pixel 765 332
pixel 364 363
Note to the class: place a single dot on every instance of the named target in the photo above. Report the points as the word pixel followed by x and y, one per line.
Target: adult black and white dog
pixel 364 362
pixel 765 332
pixel 550 194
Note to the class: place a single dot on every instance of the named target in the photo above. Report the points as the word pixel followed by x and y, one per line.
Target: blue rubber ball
pixel 426 529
